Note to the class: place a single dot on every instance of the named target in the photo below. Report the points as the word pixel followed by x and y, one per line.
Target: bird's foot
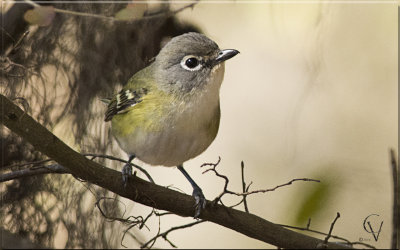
pixel 126 172
pixel 200 201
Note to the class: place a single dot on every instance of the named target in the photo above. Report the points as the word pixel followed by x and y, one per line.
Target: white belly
pixel 184 135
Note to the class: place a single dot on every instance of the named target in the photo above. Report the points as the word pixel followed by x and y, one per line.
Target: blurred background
pixel 313 94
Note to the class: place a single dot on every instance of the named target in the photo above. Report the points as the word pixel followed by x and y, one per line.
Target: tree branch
pixel 396 203
pixel 48 169
pixel 112 18
pixel 147 193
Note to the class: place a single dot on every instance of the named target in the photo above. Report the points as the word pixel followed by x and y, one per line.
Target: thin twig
pixel 308 223
pixel 348 242
pixel 396 203
pixel 163 214
pixel 226 179
pixel 18 43
pixel 246 208
pixel 33 163
pixel 24 103
pixel 121 160
pixel 77 13
pixel 112 18
pixel 48 169
pixel 246 191
pixel 110 218
pixel 165 234
pixel 141 225
pixel 331 228
pixel 242 200
pixel 279 186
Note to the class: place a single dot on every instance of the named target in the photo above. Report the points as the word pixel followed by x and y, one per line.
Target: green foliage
pixel 312 200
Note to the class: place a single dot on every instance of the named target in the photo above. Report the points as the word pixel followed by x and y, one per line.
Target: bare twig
pixel 121 160
pixel 33 163
pixel 47 169
pixel 246 208
pixel 131 221
pixel 308 223
pixel 111 218
pixel 396 203
pixel 6 65
pixel 213 169
pixel 331 228
pixel 346 241
pixel 276 187
pixel 243 198
pixel 246 191
pixel 24 103
pixel 112 18
pixel 162 214
pixel 165 234
pixel 15 45
pixel 18 43
pixel 141 225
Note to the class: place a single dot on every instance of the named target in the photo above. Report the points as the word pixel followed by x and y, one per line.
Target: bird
pixel 169 112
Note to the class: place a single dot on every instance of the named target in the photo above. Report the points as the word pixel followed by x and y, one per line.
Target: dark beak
pixel 226 54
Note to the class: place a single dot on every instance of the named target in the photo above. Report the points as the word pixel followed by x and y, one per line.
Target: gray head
pixel 190 61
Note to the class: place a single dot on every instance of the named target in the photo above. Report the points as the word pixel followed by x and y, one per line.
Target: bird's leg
pixel 197 193
pixel 127 170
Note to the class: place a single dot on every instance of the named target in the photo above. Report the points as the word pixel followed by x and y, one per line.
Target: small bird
pixel 169 112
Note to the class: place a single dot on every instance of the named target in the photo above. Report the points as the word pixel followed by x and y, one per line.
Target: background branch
pixel 396 203
pixel 112 18
pixel 48 169
pixel 147 193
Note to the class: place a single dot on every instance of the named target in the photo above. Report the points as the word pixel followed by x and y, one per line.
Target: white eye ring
pixel 191 63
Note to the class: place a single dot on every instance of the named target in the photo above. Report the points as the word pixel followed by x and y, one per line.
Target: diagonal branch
pixel 48 169
pixel 144 192
pixel 331 228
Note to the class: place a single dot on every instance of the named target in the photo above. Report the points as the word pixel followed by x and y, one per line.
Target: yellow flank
pixel 141 116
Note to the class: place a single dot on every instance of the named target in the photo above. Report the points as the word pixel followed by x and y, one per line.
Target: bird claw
pixel 126 172
pixel 200 201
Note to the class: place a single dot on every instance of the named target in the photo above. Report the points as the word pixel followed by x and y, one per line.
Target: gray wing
pixel 125 99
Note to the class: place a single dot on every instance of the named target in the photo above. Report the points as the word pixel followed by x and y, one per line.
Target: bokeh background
pixel 313 93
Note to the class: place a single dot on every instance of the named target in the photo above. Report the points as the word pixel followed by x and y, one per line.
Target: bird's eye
pixel 191 62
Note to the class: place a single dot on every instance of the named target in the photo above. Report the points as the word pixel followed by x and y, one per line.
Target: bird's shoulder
pixel 131 94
